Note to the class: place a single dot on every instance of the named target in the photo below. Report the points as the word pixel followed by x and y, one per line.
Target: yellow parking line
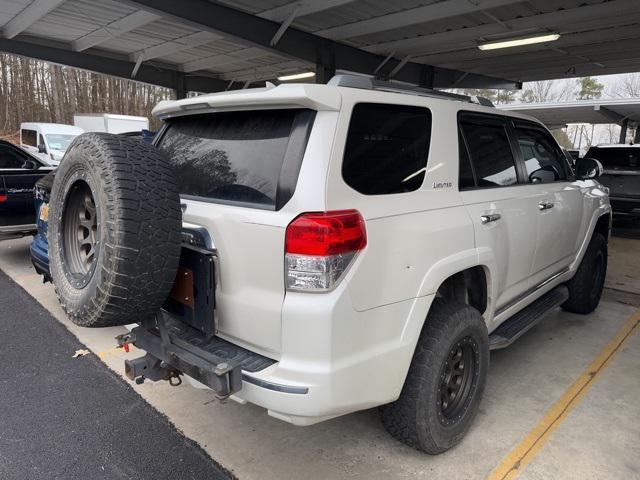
pixel 521 456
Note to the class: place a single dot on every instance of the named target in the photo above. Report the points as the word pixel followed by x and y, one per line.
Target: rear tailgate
pixel 236 170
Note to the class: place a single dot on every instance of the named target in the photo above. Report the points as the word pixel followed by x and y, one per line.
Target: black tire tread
pixel 404 418
pixel 142 222
pixel 580 285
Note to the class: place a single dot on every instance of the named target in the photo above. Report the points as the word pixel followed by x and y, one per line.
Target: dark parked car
pixel 40 245
pixel 622 175
pixel 19 171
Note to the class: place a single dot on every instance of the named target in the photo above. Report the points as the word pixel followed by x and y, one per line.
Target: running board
pixel 516 326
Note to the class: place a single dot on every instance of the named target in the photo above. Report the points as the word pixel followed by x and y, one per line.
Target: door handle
pixel 492 217
pixel 545 205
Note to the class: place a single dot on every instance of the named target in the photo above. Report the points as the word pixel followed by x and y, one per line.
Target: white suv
pixel 341 247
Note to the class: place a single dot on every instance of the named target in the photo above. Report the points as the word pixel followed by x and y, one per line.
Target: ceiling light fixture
pixel 516 42
pixel 296 76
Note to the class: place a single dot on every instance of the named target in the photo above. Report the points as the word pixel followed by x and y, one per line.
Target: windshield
pixel 248 157
pixel 59 141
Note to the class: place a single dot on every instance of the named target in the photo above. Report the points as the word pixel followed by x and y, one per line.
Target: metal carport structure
pixel 203 45
pixel 624 112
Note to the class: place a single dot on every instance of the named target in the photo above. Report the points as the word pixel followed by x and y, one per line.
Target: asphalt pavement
pixel 73 418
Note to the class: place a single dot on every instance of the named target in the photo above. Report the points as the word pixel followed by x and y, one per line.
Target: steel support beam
pixel 609 114
pixel 623 130
pixel 63 55
pixel 324 73
pixel 251 30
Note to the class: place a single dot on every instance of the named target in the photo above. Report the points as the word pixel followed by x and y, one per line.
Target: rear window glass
pixel 250 157
pixel 616 157
pixel 387 148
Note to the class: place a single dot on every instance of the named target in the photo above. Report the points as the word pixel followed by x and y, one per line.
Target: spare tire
pixel 114 230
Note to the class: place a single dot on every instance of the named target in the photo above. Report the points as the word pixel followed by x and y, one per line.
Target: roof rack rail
pixel 368 83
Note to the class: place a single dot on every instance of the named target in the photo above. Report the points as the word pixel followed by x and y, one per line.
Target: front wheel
pixel 443 388
pixel 585 288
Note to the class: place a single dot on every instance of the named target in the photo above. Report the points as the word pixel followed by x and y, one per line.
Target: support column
pixel 325 66
pixel 324 73
pixel 636 137
pixel 180 89
pixel 623 130
pixel 426 77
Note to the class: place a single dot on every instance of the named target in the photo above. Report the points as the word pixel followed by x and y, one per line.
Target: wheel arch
pixel 601 221
pixel 471 269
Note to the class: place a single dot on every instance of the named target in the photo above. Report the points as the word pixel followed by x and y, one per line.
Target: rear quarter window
pixel 248 158
pixel 387 148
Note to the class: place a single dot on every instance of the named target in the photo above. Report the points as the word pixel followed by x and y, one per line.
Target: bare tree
pixel 627 87
pixel 32 90
pixel 547 91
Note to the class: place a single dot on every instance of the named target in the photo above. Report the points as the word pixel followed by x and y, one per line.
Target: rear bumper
pixel 323 377
pixel 343 362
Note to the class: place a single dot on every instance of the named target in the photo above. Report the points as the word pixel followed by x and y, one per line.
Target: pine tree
pixel 589 88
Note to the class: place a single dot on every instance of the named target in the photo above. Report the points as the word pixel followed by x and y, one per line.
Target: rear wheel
pixel 585 288
pixel 445 382
pixel 114 230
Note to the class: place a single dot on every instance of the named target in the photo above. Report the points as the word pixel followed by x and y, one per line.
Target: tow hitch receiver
pixel 169 354
pixel 149 367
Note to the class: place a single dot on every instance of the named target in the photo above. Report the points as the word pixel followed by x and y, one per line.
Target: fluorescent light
pixel 516 42
pixel 297 76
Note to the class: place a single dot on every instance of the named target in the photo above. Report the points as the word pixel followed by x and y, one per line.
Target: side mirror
pixel 42 148
pixel 588 169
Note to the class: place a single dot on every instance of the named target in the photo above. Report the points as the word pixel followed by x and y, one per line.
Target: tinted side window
pixel 10 158
pixel 29 137
pixel 387 148
pixel 465 176
pixel 491 154
pixel 543 160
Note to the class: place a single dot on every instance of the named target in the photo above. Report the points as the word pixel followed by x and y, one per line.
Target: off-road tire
pixel 585 288
pixel 416 418
pixel 137 224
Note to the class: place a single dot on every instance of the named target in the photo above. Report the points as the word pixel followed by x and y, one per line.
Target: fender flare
pixel 453 264
pixel 602 210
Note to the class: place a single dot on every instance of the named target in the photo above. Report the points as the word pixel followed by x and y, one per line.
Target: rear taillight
pixel 319 247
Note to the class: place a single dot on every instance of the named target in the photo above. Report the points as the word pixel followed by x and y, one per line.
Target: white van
pixel 110 123
pixel 47 141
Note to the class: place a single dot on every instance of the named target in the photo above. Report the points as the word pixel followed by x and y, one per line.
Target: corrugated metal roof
pixel 585 46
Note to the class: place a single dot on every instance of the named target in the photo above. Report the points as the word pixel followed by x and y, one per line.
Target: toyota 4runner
pixel 322 249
